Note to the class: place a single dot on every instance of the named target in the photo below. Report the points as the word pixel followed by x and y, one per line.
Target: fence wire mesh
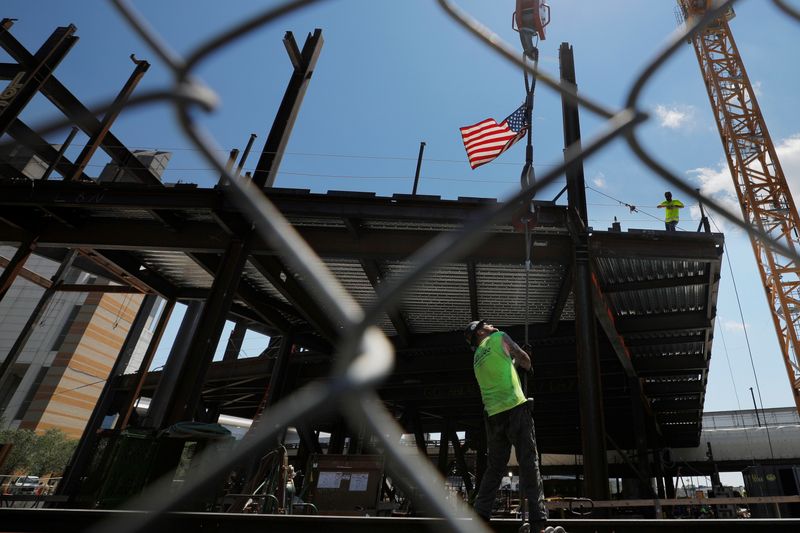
pixel 364 356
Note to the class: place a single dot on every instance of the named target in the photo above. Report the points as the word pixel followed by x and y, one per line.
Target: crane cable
pixel 528 177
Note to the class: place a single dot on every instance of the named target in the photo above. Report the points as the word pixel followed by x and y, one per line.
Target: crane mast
pixel 758 177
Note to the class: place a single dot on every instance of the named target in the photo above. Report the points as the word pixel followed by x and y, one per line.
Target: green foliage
pixel 34 454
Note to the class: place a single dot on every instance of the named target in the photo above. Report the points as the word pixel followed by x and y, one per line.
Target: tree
pixel 34 454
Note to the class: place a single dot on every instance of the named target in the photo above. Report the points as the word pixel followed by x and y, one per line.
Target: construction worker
pixel 672 211
pixel 507 414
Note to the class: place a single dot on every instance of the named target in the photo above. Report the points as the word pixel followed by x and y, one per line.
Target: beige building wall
pixel 72 385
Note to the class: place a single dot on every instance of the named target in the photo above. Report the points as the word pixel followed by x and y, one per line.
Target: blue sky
pixel 392 74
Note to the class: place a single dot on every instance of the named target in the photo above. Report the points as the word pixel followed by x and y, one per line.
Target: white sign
pixel 329 480
pixel 358 481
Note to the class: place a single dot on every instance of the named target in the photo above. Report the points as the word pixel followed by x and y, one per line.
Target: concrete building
pixel 60 372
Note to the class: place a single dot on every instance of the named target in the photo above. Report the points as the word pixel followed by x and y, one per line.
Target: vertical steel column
pixel 235 340
pixel 659 474
pixel 444 448
pixel 19 344
pixel 111 115
pixel 186 397
pixel 460 460
pixel 576 190
pixel 31 77
pixel 141 373
pixel 174 366
pixel 86 446
pixel 16 265
pixel 595 462
pixel 640 435
pixel 277 378
pixel 304 63
pixel 338 434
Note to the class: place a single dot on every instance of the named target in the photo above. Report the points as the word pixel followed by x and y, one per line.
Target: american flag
pixel 487 139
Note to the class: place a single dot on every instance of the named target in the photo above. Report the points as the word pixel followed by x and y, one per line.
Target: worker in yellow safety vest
pixel 672 211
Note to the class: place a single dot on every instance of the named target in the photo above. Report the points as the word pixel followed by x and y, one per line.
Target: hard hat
pixel 469 331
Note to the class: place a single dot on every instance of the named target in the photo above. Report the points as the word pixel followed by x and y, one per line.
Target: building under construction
pixel 620 324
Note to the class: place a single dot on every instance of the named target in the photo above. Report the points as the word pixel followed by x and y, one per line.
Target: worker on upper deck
pixel 672 211
pixel 508 419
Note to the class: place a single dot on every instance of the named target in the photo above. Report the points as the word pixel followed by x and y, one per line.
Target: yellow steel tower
pixel 760 183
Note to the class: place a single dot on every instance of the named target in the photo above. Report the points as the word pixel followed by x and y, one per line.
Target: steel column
pixel 15 266
pixel 144 367
pixel 640 436
pixel 86 446
pixel 203 344
pixel 173 367
pixel 572 132
pixel 19 344
pixel 460 460
pixel 270 160
pixel 444 446
pixel 595 462
pixel 235 340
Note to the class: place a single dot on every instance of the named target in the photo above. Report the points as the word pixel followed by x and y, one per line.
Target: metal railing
pixel 364 356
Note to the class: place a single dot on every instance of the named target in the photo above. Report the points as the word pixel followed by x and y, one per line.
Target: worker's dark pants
pixel 671 225
pixel 512 427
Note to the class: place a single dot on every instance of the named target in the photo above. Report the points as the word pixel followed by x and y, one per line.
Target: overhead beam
pixel 284 282
pixel 263 305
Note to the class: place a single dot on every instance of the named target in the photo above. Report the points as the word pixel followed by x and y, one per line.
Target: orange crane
pixel 758 177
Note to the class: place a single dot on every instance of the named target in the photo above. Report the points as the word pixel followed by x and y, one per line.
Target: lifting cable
pixel 528 177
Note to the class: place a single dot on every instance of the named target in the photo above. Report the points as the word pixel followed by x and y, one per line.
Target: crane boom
pixel 758 177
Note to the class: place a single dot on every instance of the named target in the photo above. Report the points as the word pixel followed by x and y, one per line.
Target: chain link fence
pixel 364 356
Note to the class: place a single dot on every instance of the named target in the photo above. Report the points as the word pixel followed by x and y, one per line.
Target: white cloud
pixel 789 156
pixel 599 180
pixel 733 325
pixel 678 116
pixel 717 184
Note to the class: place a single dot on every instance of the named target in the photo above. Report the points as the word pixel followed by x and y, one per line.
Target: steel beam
pixel 235 339
pixel 304 63
pixel 108 119
pixel 284 282
pixel 373 272
pixel 267 308
pixel 36 70
pixel 12 268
